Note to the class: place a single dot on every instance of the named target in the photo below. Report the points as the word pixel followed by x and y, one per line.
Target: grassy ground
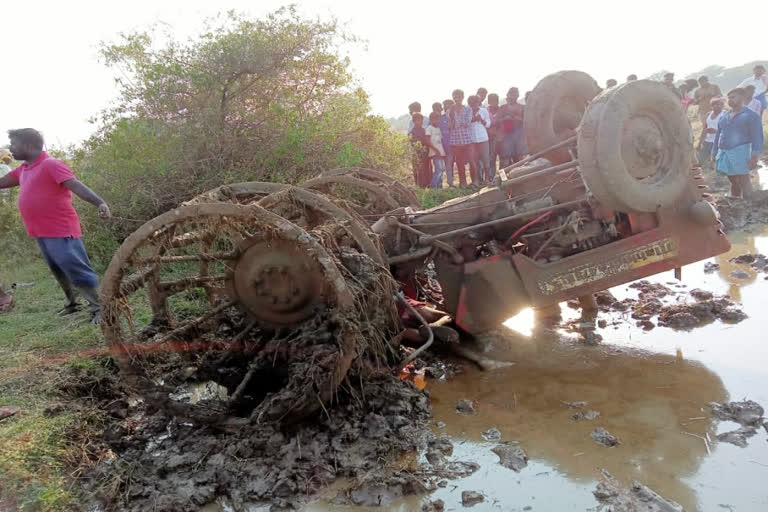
pixel 35 345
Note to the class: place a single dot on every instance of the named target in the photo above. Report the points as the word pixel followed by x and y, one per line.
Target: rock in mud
pixel 442 445
pixel 646 325
pixel 710 267
pixel 744 259
pixel 433 506
pixel 466 406
pixel 699 294
pixel 575 405
pixel 585 415
pixel 604 298
pixel 648 290
pixel 470 498
pixel 682 320
pixel 379 490
pixel 511 455
pixel 605 438
pixel 611 493
pixel 738 437
pixel 739 274
pixel 746 413
pixel 492 434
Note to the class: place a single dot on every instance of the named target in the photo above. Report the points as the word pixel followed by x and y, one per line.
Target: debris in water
pixel 739 274
pixel 574 405
pixel 609 492
pixel 492 434
pixel 681 320
pixel 605 438
pixel 511 455
pixel 470 498
pixel 466 406
pixel 746 412
pixel 699 294
pixel 738 437
pixel 433 506
pixel 744 259
pixel 585 415
pixel 646 325
pixel 709 267
pixel 441 444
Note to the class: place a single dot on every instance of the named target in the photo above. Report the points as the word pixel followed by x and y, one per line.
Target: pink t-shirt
pixel 45 204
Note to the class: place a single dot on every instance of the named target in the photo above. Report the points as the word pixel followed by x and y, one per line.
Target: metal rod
pixel 402 258
pixel 533 213
pixel 549 170
pixel 541 153
pixel 430 336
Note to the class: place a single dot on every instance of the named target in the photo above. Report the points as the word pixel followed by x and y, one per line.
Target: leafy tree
pixel 268 100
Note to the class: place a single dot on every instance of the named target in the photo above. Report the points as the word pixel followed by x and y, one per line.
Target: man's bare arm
pixel 8 181
pixel 86 194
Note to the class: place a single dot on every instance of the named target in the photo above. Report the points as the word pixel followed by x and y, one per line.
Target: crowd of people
pixel 486 135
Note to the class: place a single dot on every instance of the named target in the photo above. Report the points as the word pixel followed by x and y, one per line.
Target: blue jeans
pixel 67 259
pixel 437 177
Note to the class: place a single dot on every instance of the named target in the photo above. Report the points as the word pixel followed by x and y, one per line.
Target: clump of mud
pixel 738 213
pixel 652 303
pixel 747 413
pixel 613 496
pixel 164 465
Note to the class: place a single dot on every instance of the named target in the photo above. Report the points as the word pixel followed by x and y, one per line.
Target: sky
pixel 413 51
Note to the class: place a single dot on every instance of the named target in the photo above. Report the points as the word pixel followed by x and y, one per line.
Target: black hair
pixel 438 105
pixel 759 66
pixel 28 136
pixel 493 95
pixel 457 91
pixel 482 89
pixel 703 77
pixel 414 107
pixel 738 90
pixel 433 116
pixel 417 115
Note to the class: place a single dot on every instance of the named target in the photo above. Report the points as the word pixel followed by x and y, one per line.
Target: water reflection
pixel 645 399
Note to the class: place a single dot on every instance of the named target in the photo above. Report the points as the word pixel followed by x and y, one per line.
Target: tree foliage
pixel 268 99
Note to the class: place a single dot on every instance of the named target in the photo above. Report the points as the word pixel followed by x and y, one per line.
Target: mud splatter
pixel 613 496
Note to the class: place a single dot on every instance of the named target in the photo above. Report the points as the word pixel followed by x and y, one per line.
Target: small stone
pixel 470 498
pixel 466 406
pixel 527 507
pixel 492 434
pixel 711 267
pixel 440 424
pixel 699 294
pixel 739 274
pixel 605 438
pixel 743 259
pixel 585 415
pixel 602 323
pixel 442 484
pixel 682 320
pixel 646 325
pixel 575 405
pixel 433 506
pixel 732 316
pixel 511 455
pixel 442 445
pixel 747 413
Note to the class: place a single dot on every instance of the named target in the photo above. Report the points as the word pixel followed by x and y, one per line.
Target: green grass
pixel 431 197
pixel 34 345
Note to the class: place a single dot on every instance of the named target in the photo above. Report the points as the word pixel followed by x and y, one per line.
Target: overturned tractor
pixel 258 301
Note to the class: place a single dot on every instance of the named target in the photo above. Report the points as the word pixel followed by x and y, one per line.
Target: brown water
pixel 651 389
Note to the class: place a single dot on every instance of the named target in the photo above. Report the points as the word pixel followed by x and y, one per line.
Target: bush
pixel 248 100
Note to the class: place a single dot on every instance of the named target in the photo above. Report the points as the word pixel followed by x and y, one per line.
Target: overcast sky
pixel 422 50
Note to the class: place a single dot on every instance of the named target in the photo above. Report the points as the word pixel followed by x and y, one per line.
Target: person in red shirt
pixel 45 203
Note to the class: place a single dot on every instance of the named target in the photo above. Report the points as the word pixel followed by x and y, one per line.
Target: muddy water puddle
pixel 651 390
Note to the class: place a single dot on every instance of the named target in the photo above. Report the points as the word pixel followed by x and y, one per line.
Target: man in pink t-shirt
pixel 45 203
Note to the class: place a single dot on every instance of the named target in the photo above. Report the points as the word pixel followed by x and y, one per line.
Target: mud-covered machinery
pixel 259 300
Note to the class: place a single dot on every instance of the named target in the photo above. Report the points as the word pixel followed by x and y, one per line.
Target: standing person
pixel 704 95
pixel 611 82
pixel 760 81
pixel 422 171
pixel 708 131
pixel 509 129
pixel 738 143
pixel 461 118
pixel 436 150
pixel 481 93
pixel 751 102
pixel 413 108
pixel 5 161
pixel 481 121
pixel 445 132
pixel 669 81
pixel 685 100
pixel 493 148
pixel 45 203
pixel 631 78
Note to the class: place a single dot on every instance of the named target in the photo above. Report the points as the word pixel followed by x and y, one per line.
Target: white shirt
pixel 436 138
pixel 761 84
pixel 477 131
pixel 712 123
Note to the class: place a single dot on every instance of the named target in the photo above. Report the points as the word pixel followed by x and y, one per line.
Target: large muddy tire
pixel 635 147
pixel 554 110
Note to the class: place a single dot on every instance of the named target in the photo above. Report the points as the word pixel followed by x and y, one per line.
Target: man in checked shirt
pixel 461 141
